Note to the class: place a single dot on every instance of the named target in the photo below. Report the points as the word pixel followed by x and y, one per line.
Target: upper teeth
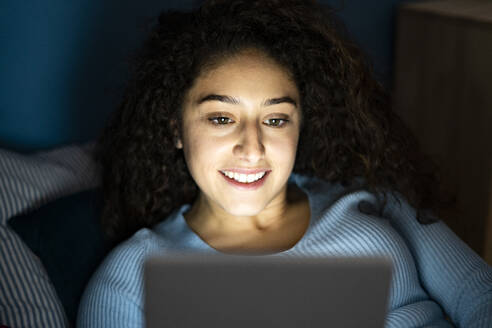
pixel 244 178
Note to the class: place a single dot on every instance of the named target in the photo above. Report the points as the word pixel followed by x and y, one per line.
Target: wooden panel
pixel 471 10
pixel 443 91
pixel 475 122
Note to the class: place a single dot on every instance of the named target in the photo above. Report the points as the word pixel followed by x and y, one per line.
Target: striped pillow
pixel 27 296
pixel 29 181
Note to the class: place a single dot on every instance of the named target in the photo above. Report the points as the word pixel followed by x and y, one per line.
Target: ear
pixel 174 126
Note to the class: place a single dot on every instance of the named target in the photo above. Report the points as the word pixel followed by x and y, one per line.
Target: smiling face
pixel 241 122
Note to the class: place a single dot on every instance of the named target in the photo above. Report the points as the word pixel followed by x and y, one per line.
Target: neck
pixel 206 215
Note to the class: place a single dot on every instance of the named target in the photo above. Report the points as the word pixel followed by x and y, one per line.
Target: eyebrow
pixel 235 101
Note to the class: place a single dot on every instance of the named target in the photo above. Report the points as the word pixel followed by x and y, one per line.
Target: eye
pixel 276 122
pixel 220 120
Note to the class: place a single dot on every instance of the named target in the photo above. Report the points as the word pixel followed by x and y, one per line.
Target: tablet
pixel 185 290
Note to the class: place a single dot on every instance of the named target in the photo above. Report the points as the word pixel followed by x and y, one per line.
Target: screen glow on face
pixel 242 117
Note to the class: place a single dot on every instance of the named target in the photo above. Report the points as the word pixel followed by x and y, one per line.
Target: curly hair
pixel 349 129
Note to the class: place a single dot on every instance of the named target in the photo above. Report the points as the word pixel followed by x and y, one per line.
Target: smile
pixel 245 181
pixel 244 178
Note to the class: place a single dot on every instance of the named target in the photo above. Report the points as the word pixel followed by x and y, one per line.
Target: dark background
pixel 63 63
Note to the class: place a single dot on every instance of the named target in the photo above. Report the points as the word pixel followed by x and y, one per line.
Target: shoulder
pixel 349 220
pixel 125 261
pixel 354 220
pixel 117 285
pixel 350 212
pixel 136 248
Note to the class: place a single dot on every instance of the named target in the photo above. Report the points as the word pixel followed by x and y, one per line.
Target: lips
pixel 245 185
pixel 245 171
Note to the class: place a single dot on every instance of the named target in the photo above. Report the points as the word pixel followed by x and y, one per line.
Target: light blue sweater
pixel 435 274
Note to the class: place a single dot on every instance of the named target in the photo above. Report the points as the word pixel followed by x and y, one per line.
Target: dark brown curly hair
pixel 349 129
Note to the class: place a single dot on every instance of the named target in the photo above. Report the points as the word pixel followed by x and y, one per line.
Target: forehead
pixel 249 69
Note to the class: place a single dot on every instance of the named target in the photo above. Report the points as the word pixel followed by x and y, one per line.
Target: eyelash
pixel 215 121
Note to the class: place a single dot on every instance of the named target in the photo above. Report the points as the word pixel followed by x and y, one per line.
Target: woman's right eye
pixel 220 120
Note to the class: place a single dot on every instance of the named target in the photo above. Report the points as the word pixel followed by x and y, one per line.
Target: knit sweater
pixel 435 274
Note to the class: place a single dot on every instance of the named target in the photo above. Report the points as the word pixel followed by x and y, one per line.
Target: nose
pixel 249 147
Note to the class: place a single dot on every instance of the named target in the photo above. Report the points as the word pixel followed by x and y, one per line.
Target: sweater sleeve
pixel 451 272
pixel 114 295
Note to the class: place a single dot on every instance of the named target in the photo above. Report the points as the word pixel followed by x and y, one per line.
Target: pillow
pixel 29 181
pixel 27 296
pixel 67 238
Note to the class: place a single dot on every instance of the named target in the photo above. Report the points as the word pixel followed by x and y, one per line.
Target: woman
pixel 253 127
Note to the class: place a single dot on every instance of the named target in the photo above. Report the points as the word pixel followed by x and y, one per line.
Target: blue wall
pixel 62 63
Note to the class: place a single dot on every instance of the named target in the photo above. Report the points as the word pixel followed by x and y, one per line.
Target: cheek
pixel 203 153
pixel 283 150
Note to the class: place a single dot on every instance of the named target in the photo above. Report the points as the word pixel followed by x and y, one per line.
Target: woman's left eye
pixel 276 122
